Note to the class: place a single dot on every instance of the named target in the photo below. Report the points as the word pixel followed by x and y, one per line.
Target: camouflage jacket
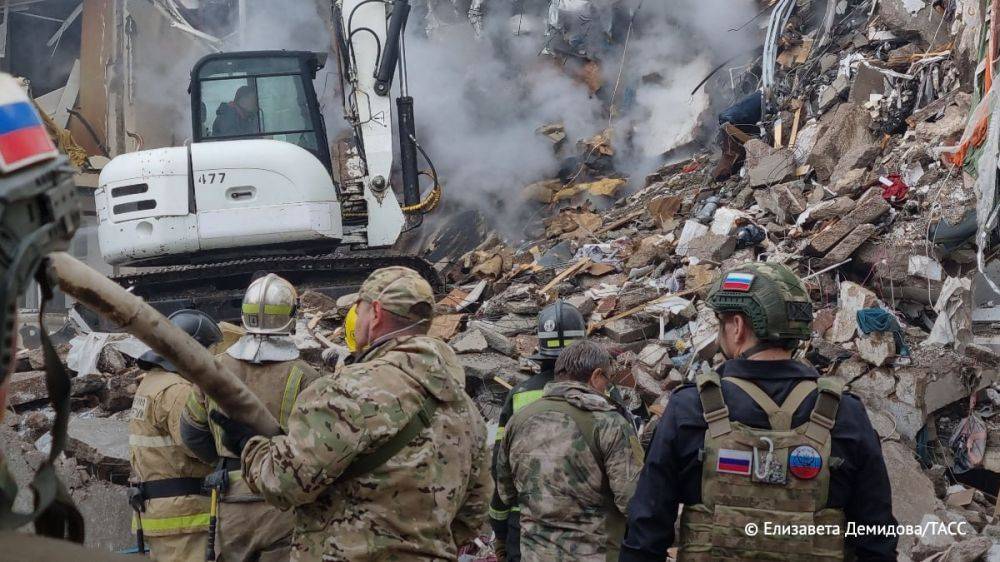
pixel 420 505
pixel 547 467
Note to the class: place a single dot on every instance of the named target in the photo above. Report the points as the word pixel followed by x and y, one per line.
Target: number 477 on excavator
pixel 255 190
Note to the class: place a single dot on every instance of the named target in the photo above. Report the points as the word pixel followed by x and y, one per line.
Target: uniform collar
pixel 767 370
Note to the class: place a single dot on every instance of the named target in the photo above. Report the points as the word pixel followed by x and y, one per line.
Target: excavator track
pixel 217 288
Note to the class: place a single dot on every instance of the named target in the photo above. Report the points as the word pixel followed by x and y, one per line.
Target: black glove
pixel 234 434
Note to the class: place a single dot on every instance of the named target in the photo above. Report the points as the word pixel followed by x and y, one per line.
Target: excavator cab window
pixel 259 95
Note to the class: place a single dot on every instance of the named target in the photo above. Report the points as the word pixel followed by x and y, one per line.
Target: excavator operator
pixel 238 117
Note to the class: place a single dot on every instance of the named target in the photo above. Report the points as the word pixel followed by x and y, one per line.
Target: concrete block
pixel 870 207
pixel 773 168
pixel 845 128
pixel 850 244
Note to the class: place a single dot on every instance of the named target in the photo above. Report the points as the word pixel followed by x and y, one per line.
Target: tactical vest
pixel 169 476
pixel 778 476
pixel 614 520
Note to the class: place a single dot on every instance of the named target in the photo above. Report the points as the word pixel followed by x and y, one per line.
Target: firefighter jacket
pixel 157 454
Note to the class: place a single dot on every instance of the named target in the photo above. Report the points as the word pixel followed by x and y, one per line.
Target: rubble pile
pixel 856 179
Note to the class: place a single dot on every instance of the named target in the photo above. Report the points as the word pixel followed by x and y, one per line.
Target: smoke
pixel 481 100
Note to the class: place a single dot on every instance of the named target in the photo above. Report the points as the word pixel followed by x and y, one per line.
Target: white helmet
pixel 269 306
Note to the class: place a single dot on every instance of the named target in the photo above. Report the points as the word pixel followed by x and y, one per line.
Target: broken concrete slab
pixel 485 366
pixel 101 443
pixel 472 341
pixel 513 324
pixel 101 502
pixel 870 207
pixel 853 297
pixel 845 128
pixel 915 19
pixel 912 491
pixel 826 210
pixel 834 92
pixel 631 329
pixel 877 348
pixel 712 247
pixel 926 267
pixel 27 388
pixel 860 157
pixel 726 221
pixel 785 201
pixel 867 81
pixel 494 339
pixel 773 168
pixel 850 244
pixel 968 550
pixel 692 229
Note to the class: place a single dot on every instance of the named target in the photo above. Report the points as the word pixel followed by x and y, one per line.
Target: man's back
pixel 419 503
pixel 565 492
pixel 248 528
pixel 859 484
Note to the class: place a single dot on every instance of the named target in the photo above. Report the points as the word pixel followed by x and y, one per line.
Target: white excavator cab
pixel 255 192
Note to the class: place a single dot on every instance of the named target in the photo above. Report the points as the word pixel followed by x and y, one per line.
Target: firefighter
pixel 763 440
pixel 559 325
pixel 171 512
pixel 267 361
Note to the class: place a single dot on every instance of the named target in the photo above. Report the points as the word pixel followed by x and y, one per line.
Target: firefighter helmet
pixel 773 298
pixel 269 306
pixel 559 325
pixel 196 324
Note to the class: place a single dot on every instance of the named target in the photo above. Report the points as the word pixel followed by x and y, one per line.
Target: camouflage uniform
pixel 176 528
pixel 566 494
pixel 419 504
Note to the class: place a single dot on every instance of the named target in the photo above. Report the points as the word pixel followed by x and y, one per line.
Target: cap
pixel 401 291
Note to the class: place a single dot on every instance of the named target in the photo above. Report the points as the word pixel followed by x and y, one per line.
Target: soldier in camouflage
pixel 765 439
pixel 571 461
pixel 386 459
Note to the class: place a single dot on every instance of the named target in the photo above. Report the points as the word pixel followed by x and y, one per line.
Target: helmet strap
pixel 762 346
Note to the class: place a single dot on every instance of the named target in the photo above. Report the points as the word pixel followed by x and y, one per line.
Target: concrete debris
pixel 875 90
pixel 101 443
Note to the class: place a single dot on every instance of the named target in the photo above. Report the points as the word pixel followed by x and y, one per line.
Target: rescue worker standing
pixel 172 513
pixel 733 456
pixel 267 361
pixel 559 325
pixel 571 460
pixel 386 459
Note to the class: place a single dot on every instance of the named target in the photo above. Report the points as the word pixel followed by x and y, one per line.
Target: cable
pixel 378 45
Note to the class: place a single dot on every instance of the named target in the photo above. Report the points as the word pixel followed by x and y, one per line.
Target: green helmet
pixel 771 296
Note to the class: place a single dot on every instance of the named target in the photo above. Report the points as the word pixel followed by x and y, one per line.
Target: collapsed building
pixel 870 168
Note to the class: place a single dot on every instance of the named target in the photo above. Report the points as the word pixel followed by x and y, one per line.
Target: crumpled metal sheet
pixel 85 350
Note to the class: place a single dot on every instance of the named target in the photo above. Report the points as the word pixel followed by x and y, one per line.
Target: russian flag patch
pixel 734 462
pixel 23 138
pixel 736 281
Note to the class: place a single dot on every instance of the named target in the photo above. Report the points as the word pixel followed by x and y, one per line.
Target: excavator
pixel 256 190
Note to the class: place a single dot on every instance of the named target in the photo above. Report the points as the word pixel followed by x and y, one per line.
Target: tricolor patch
pixel 804 462
pixel 737 282
pixel 23 138
pixel 734 462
